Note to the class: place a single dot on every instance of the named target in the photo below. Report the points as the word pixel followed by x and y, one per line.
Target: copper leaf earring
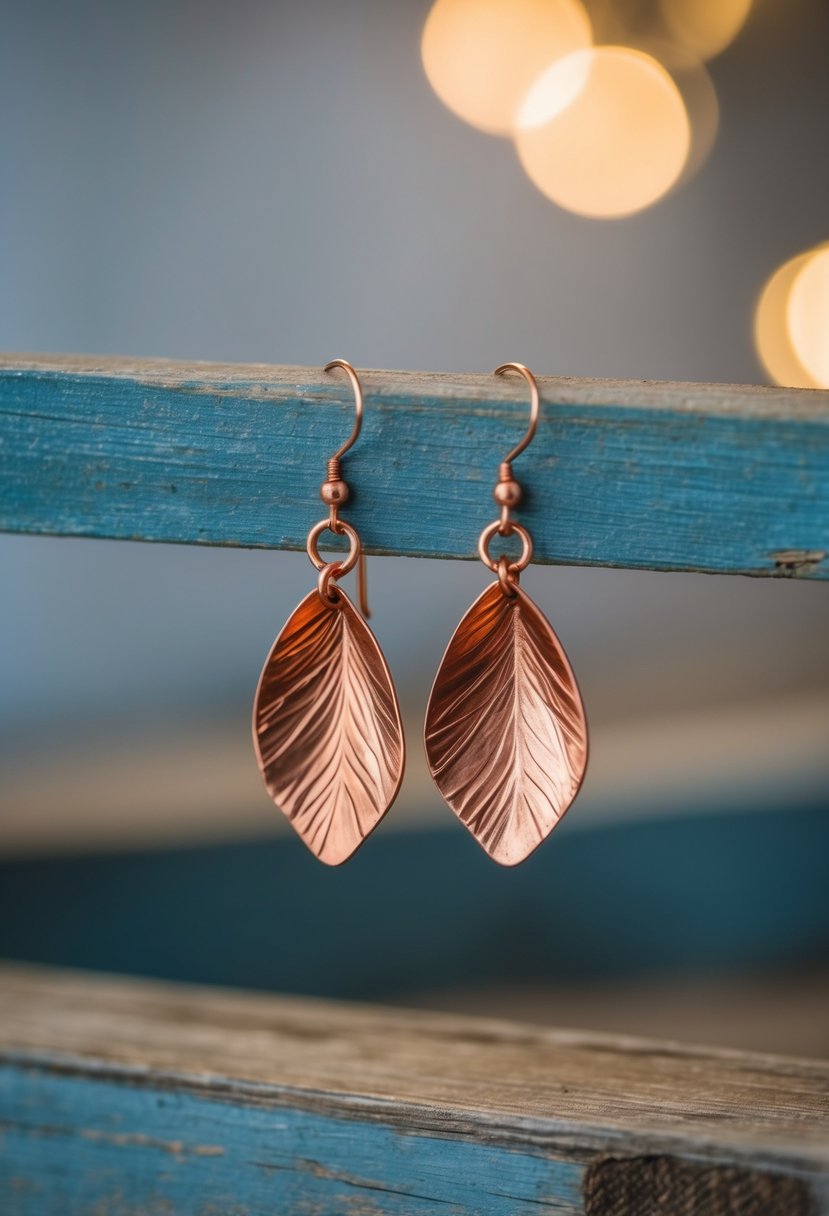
pixel 326 722
pixel 506 734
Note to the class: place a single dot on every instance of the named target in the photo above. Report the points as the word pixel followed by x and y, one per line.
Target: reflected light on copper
pixel 481 56
pixel 613 145
pixel 772 335
pixel 705 27
pixel 807 316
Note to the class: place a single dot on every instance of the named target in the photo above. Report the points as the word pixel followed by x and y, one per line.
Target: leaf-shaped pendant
pixel 506 735
pixel 327 729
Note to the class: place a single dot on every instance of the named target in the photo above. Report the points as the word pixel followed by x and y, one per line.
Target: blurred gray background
pixel 275 182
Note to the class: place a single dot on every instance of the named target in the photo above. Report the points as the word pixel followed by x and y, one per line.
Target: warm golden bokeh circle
pixel 807 316
pixel 692 78
pixel 604 132
pixel 481 56
pixel 705 27
pixel 773 326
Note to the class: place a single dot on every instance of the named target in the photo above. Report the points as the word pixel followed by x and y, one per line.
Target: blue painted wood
pixel 74 1146
pixel 124 1097
pixel 750 895
pixel 700 477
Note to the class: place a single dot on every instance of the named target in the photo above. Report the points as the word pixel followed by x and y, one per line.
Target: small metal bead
pixel 334 492
pixel 507 493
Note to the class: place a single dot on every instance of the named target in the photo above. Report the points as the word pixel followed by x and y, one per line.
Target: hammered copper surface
pixel 327 729
pixel 506 735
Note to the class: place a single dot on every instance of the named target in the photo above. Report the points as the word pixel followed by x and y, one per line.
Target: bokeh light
pixel 696 88
pixel 604 132
pixel 481 56
pixel 791 324
pixel 553 91
pixel 808 316
pixel 705 27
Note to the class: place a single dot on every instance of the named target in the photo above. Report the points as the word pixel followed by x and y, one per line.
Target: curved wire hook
pixel 362 580
pixel 535 406
pixel 358 403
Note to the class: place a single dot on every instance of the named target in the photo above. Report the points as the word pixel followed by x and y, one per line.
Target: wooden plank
pixel 120 1096
pixel 665 476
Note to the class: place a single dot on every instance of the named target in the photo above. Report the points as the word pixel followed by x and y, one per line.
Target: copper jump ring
pixel 507 577
pixel 328 575
pixel 520 563
pixel 355 548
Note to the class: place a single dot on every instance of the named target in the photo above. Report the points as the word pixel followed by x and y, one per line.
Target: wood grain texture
pixel 133 1095
pixel 664 476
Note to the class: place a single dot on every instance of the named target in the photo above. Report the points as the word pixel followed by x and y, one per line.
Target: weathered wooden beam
pixel 126 1096
pixel 664 476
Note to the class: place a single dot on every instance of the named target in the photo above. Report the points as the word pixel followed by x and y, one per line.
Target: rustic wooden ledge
pixel 719 478
pixel 124 1096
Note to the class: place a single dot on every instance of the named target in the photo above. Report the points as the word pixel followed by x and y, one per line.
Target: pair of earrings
pixel 505 734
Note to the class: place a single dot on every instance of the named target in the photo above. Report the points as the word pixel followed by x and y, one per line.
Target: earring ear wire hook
pixel 508 492
pixel 535 406
pixel 335 475
pixel 358 404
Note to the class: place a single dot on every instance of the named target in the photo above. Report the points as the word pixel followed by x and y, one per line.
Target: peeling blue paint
pixel 71 1145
